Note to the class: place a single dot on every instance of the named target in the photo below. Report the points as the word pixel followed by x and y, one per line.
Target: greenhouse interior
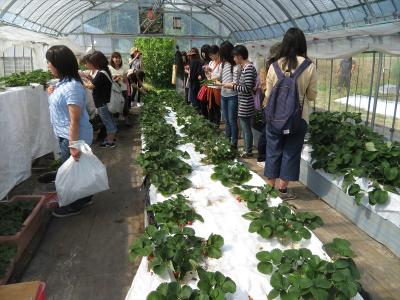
pixel 198 149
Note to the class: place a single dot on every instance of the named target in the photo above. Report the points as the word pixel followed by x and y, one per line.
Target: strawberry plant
pixel 211 286
pixel 25 79
pixel 175 211
pixel 298 274
pixel 172 290
pixel 256 198
pixel 167 183
pixel 281 222
pixel 13 215
pixel 161 161
pixel 343 146
pixel 7 253
pixel 231 174
pixel 175 248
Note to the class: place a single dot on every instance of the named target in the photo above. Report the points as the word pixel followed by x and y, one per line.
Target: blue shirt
pixel 66 93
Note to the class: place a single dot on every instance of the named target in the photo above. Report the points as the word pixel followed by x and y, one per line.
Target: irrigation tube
pixel 380 65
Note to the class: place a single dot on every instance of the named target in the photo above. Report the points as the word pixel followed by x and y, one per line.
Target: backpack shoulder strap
pixel 278 70
pixel 304 65
pixel 105 73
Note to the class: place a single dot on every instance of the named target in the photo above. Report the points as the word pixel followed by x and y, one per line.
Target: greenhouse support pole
pixel 4 65
pixel 316 65
pixel 395 107
pixel 190 26
pixel 31 59
pixel 15 61
pixel 23 56
pixel 330 87
pixel 380 66
pixel 370 89
pixel 348 93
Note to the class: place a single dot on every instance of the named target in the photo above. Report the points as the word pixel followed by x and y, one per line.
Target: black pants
pixel 127 104
pixel 262 144
pixel 214 114
pixel 134 91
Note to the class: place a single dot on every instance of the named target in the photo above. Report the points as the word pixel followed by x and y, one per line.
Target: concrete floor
pixel 85 257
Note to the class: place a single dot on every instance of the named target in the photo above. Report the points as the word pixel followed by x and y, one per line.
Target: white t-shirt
pixel 216 73
pixel 120 72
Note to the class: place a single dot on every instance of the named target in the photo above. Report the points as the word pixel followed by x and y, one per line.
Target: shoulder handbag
pixel 116 104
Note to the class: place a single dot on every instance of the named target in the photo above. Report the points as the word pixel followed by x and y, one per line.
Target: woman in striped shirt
pixel 245 88
pixel 229 98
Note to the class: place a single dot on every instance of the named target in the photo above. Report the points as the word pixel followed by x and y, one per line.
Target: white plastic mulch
pixel 389 211
pixel 222 215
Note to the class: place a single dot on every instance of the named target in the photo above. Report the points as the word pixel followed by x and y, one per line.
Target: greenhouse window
pixel 177 23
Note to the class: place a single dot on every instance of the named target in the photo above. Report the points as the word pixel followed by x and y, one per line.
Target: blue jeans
pixel 229 107
pixel 245 124
pixel 107 119
pixel 78 204
pixel 284 153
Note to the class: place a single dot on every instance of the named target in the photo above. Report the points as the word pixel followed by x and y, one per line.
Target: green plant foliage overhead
pixel 158 58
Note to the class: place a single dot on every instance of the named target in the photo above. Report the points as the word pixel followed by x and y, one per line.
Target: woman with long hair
pixel 68 114
pixel 119 75
pixel 213 73
pixel 205 53
pixel 229 98
pixel 245 87
pixel 101 89
pixel 284 151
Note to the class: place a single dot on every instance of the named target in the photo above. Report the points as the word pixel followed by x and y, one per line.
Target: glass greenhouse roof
pixel 240 20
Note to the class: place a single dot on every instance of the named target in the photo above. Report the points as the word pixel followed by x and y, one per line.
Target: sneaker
pixel 87 204
pixel 65 211
pixel 108 145
pixel 139 104
pixel 246 155
pixel 261 164
pixel 289 195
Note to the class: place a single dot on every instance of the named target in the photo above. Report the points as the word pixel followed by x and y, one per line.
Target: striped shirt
pixel 245 87
pixel 228 76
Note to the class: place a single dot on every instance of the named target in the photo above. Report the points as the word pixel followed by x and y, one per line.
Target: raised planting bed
pixel 378 221
pixel 20 218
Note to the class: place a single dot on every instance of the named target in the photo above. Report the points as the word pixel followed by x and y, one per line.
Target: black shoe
pixel 65 211
pixel 47 177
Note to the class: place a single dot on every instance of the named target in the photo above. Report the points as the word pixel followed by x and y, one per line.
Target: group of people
pixel 68 102
pixel 222 79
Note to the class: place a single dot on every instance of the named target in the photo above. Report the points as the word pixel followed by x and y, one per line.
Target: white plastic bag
pixel 78 179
